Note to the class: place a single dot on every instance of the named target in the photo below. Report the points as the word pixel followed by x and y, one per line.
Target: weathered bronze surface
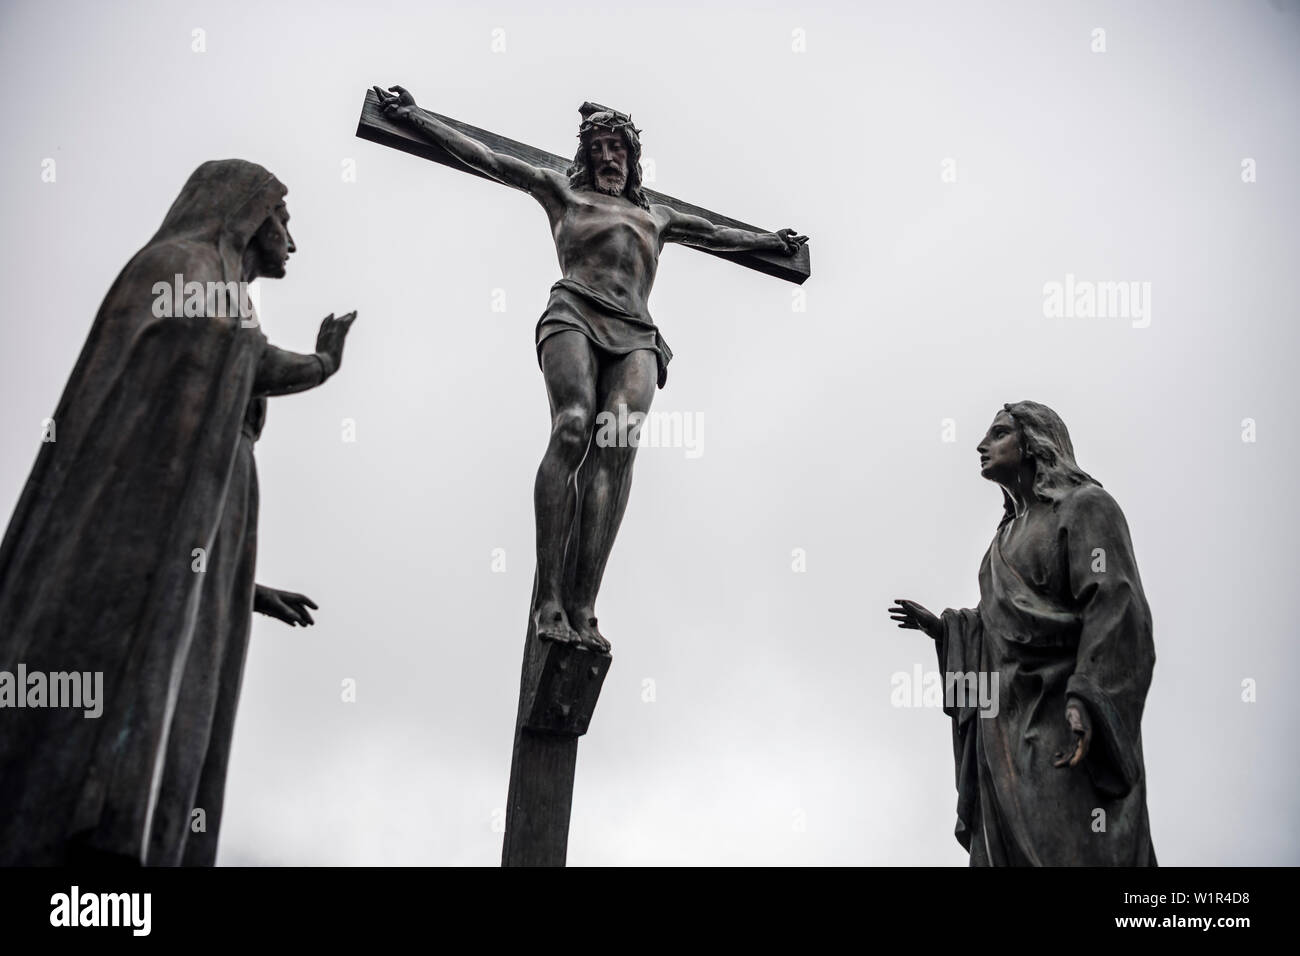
pixel 601 355
pixel 132 549
pixel 1050 769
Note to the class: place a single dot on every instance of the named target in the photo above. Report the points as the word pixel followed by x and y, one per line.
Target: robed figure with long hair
pixel 1053 774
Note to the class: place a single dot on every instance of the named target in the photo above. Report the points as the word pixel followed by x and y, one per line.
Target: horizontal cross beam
pixel 377 128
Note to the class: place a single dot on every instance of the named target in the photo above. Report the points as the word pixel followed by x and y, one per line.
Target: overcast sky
pixel 747 717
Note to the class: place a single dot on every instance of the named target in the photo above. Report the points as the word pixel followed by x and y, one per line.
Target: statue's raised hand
pixel 912 616
pixel 397 104
pixel 329 340
pixel 287 606
pixel 1077 716
pixel 792 240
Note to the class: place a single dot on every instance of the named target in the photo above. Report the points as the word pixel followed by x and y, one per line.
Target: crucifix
pixel 601 355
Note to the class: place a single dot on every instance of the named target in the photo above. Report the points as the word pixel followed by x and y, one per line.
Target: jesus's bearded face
pixel 608 160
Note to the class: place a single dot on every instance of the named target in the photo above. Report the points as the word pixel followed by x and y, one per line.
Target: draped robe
pixel 198 748
pixel 1061 614
pixel 150 473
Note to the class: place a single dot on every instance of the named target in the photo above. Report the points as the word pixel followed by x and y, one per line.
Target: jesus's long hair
pixel 581 176
pixel 1045 439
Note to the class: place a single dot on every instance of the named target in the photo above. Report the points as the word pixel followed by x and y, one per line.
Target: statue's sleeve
pixel 1116 653
pixel 280 372
pixel 958 647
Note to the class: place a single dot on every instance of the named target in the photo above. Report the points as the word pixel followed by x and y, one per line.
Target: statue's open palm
pixel 333 333
pixel 915 617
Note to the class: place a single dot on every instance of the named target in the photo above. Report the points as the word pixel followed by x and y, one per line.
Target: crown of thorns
pixel 600 117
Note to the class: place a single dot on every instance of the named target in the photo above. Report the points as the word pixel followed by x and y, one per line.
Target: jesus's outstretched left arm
pixel 697 231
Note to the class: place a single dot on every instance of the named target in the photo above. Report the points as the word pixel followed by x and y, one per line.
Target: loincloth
pixel 573 307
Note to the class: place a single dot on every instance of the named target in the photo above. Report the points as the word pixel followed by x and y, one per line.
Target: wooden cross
pixel 559 683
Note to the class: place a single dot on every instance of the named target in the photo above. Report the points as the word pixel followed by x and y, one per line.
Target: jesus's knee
pixel 571 433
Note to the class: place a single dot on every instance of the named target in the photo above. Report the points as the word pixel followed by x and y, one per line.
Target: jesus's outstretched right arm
pixel 544 185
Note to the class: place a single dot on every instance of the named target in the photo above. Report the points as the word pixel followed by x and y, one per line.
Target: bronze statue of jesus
pixel 598 348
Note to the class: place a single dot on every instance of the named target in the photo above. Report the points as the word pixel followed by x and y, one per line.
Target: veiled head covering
pixel 224 202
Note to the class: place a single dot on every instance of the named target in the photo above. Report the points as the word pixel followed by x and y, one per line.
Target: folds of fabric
pixel 1084 633
pixel 609 325
pixel 103 567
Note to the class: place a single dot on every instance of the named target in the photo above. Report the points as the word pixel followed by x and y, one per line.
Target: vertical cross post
pixel 558 690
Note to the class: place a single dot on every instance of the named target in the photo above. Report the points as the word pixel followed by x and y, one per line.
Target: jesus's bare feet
pixel 583 621
pixel 552 624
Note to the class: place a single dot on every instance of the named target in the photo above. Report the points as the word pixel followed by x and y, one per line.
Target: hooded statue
pixel 131 552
